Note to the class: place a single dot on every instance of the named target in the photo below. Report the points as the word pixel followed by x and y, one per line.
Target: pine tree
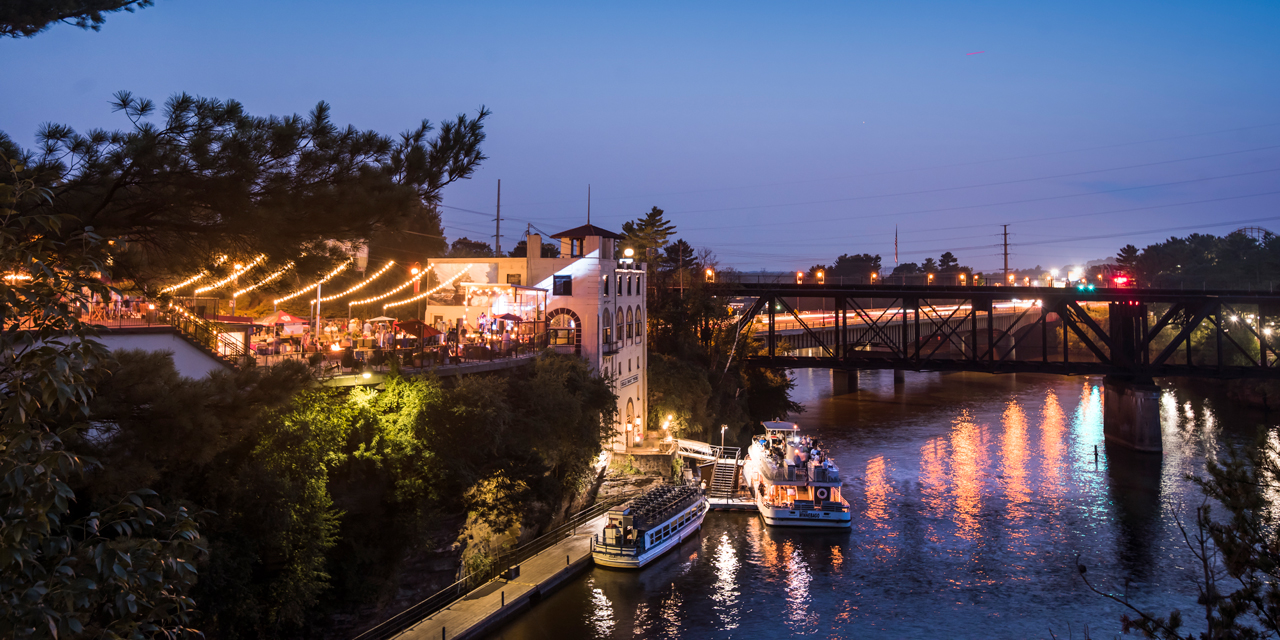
pixel 26 18
pixel 650 232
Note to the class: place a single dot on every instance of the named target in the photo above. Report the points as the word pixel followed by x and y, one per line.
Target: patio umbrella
pixel 280 317
pixel 382 319
pixel 510 317
pixel 419 328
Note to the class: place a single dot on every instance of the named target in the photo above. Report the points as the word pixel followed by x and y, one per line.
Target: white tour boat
pixel 793 480
pixel 649 526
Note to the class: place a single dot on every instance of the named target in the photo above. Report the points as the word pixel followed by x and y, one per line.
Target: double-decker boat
pixel 794 481
pixel 649 526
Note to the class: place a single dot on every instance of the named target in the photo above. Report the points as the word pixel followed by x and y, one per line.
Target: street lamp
pixel 711 274
pixel 962 278
pixel 799 277
pixel 931 278
pixel 822 277
pixel 235 284
pixel 723 427
pixel 874 275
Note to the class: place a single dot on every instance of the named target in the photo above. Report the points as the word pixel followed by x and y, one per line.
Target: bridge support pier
pixel 844 381
pixel 1131 412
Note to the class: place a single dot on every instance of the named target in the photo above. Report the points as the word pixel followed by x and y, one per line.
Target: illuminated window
pixel 629 325
pixel 618 317
pixel 607 323
pixel 639 323
pixel 561 330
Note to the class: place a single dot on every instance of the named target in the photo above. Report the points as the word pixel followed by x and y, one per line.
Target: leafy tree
pixel 1237 556
pixel 549 250
pixel 208 179
pixel 649 232
pixel 1127 258
pixel 948 263
pixel 860 265
pixel 467 248
pixel 26 18
pixel 121 571
pixel 813 271
pixel 906 269
pixel 929 266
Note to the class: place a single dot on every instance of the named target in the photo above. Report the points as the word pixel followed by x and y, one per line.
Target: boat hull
pixel 622 561
pixel 799 518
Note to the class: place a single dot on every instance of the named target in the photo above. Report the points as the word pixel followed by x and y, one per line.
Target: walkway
pixel 486 608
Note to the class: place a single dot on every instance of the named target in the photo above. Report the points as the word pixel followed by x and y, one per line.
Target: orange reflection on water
pixel 1053 428
pixel 966 467
pixel 877 491
pixel 1014 453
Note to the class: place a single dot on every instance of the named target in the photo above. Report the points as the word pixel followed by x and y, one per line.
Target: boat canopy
pixel 788 427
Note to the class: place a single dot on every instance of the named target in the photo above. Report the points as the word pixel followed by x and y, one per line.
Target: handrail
pixel 439 600
pixel 207 333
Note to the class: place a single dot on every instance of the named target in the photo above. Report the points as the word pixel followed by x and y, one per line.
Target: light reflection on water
pixel 972 496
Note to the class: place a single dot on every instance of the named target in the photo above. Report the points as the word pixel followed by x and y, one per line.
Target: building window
pixel 575 247
pixel 562 285
pixel 619 285
pixel 607 323
pixel 639 323
pixel 606 286
pixel 513 278
pixel 639 283
pixel 628 285
pixel 617 317
pixel 629 325
pixel 562 330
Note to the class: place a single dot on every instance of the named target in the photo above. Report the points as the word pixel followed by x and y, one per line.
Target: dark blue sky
pixel 778 135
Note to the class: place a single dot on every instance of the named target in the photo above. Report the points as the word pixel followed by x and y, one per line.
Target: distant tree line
pixel 1234 261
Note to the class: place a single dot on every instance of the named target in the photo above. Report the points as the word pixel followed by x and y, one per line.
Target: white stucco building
pixel 595 308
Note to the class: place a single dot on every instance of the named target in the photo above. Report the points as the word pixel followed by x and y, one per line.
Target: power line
pixel 930 168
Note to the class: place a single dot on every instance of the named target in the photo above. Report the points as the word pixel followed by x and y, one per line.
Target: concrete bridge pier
pixel 844 381
pixel 1131 412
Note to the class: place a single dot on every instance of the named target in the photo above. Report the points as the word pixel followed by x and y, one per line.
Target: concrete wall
pixel 187 359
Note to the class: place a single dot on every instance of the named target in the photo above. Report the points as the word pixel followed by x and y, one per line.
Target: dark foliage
pixel 26 18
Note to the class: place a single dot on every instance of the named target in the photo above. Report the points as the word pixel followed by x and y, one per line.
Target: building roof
pixel 587 230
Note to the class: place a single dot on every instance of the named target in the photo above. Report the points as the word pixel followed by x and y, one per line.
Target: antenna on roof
pixel 588 204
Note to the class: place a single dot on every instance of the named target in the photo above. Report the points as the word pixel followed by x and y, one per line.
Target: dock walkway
pixel 489 606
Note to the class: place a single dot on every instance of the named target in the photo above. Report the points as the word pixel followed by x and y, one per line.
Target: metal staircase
pixel 207 335
pixel 724 476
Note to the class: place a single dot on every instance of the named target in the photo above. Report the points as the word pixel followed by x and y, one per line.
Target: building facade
pixel 595 308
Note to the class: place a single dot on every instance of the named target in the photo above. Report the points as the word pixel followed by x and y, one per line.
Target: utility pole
pixel 497 222
pixel 1006 254
pixel 588 204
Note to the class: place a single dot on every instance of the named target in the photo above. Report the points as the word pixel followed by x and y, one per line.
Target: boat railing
pixel 616 549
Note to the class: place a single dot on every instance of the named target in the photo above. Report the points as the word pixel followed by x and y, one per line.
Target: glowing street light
pixel 962 279
pixel 629 252
pixel 711 274
pixel 799 277
pixel 723 428
pixel 931 278
pixel 874 275
pixel 822 277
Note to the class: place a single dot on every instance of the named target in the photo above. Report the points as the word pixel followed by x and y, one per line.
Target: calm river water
pixel 971 496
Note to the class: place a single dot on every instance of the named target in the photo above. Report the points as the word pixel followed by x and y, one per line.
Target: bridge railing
pixel 1139 333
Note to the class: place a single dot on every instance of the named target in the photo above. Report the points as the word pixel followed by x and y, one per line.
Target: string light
pixel 361 285
pixel 427 293
pixel 267 280
pixel 313 285
pixel 234 274
pixel 193 279
pixel 394 291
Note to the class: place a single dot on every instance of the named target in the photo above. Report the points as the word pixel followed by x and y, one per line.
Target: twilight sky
pixel 779 135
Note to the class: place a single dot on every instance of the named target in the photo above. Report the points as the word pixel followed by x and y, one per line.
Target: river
pixel 972 496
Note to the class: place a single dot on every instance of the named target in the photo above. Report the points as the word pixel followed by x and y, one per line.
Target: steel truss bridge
pixel 1137 333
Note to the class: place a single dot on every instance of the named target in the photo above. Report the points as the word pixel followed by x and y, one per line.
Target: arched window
pixel 618 318
pixel 607 323
pixel 639 323
pixel 629 325
pixel 564 329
